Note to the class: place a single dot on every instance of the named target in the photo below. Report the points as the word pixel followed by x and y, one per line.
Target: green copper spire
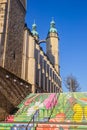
pixel 52 27
pixel 34 30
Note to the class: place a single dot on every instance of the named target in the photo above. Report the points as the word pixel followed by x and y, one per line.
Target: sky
pixel 70 17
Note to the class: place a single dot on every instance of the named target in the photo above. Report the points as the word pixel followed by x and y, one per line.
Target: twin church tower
pixel 20 50
pixel 51 44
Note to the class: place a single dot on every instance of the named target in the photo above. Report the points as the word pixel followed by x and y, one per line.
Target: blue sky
pixel 71 22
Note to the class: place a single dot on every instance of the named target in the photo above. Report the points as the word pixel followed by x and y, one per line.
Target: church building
pixel 21 53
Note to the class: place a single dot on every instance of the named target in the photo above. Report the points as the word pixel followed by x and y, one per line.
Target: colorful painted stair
pixel 51 109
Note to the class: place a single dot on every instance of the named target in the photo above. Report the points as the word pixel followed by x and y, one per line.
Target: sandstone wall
pixel 14 41
pixel 12 91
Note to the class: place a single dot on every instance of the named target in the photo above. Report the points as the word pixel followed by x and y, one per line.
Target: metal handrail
pixel 32 119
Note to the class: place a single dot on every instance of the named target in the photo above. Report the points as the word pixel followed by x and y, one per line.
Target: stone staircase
pixel 49 112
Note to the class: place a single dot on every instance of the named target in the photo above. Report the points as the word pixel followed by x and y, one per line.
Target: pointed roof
pixel 52 27
pixel 34 30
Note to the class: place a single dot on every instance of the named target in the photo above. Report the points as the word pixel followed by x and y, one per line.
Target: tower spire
pixel 52 26
pixel 34 30
pixel 52 45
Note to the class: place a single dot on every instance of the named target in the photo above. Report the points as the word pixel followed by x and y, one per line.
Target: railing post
pixel 33 120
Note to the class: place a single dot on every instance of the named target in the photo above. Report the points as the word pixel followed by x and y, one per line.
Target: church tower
pixel 34 31
pixel 53 45
pixel 11 37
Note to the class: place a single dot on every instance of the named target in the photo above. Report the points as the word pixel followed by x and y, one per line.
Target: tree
pixel 72 84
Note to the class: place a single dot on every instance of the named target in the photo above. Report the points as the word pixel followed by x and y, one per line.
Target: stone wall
pixel 5 107
pixel 23 3
pixel 3 15
pixel 12 91
pixel 15 34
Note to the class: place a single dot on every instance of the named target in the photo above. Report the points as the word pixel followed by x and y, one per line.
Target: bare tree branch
pixel 72 84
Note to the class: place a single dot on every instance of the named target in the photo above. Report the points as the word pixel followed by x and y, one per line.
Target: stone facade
pixel 14 31
pixel 3 17
pixel 47 77
pixel 37 68
pixel 23 2
pixel 53 49
pixel 21 53
pixel 12 91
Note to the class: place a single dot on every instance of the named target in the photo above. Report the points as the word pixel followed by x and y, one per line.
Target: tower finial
pixel 34 29
pixel 52 26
